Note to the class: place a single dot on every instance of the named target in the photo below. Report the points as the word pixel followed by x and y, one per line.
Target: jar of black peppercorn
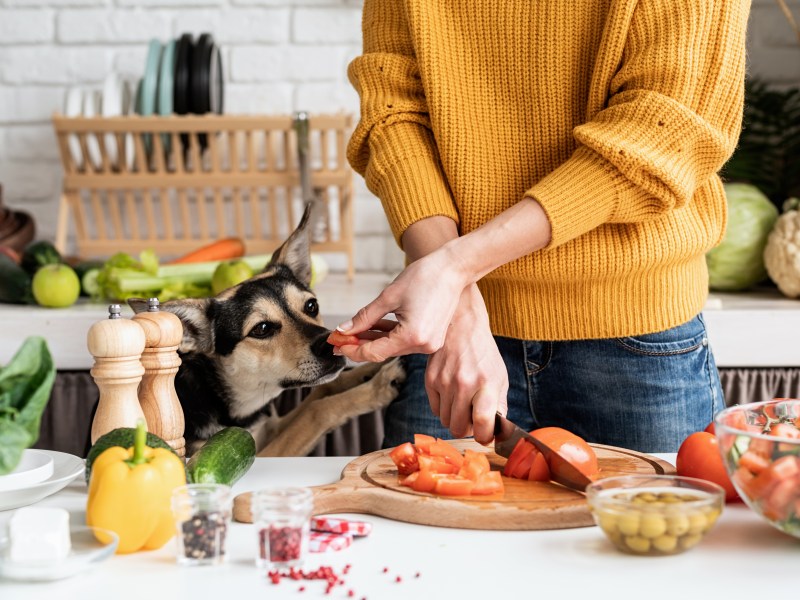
pixel 282 517
pixel 202 514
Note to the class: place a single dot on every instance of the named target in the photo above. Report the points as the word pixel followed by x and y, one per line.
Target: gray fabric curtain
pixel 67 420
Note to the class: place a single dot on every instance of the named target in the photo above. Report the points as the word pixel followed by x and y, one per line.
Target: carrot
pixel 223 249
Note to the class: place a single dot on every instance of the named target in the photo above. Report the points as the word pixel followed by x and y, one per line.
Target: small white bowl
pixel 34 467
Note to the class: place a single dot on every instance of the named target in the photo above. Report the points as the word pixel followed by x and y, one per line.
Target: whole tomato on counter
pixel 699 457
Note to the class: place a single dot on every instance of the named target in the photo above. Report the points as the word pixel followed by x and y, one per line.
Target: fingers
pixel 376 350
pixel 367 317
pixel 484 406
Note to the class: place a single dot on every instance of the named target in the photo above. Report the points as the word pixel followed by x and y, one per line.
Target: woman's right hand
pixel 423 299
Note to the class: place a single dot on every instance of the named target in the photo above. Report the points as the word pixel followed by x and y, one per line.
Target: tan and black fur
pixel 241 349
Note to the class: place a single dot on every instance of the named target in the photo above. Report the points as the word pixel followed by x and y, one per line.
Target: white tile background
pixel 279 56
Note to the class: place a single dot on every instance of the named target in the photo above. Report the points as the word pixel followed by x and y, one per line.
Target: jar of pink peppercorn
pixel 282 519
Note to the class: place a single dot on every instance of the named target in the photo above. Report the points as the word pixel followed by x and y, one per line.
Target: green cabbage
pixel 738 262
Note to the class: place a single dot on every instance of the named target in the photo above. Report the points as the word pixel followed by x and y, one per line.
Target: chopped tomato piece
pixel 785 430
pixel 432 464
pixel 762 447
pixel 405 457
pixel 488 483
pixel 425 481
pixel 753 462
pixel 423 443
pixel 453 485
pixel 337 338
pixel 778 504
pixel 520 451
pixel 523 467
pixel 410 479
pixel 539 470
pixel 450 454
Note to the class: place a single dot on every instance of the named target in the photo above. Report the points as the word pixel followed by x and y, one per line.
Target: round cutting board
pixel 369 485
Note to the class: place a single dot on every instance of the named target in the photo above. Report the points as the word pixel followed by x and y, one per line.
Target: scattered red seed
pixel 417 574
pixel 302 588
pixel 351 593
pixel 398 579
pixel 385 569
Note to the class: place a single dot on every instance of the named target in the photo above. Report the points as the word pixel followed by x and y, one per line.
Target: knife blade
pixel 506 436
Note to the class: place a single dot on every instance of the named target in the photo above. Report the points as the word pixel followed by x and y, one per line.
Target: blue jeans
pixel 646 393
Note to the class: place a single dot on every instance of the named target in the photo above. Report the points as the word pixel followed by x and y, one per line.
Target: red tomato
pixel 405 457
pixel 710 428
pixel 453 485
pixel 523 467
pixel 337 338
pixel 450 454
pixel 423 443
pixel 410 479
pixel 572 447
pixel 699 457
pixel 520 451
pixel 489 483
pixel 784 430
pixel 539 470
pixel 431 464
pixel 425 481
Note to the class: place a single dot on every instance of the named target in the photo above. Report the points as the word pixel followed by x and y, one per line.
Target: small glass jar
pixel 282 518
pixel 202 514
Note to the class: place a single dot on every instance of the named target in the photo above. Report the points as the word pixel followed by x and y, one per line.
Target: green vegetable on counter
pixel 123 277
pixel 39 254
pixel 15 282
pixel 25 385
pixel 224 458
pixel 738 262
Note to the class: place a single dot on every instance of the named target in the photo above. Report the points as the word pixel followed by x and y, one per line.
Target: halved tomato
pixel 539 470
pixel 572 447
pixel 405 457
pixel 520 451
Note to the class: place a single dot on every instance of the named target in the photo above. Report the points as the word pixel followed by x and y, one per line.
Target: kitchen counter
pixel 756 329
pixel 742 557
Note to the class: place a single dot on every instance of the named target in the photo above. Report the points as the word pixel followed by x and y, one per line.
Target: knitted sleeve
pixel 672 120
pixel 392 145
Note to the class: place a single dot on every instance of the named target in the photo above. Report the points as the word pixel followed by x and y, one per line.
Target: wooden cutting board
pixel 369 485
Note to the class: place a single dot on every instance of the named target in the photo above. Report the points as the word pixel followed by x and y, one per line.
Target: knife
pixel 506 436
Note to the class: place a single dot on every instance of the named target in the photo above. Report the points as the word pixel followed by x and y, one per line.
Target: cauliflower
pixel 782 252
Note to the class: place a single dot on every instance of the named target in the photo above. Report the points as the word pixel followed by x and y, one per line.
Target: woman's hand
pixel 423 299
pixel 467 380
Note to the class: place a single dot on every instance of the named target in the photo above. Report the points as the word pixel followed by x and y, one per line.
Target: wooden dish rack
pixel 175 183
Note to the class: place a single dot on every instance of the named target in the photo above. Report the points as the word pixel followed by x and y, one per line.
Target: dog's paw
pixel 389 378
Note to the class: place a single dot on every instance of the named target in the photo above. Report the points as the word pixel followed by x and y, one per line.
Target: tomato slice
pixel 572 447
pixel 489 483
pixel 520 451
pixel 423 443
pixel 410 479
pixel 450 454
pixel 778 504
pixel 405 458
pixel 539 470
pixel 436 464
pixel 755 463
pixel 337 338
pixel 453 485
pixel 523 467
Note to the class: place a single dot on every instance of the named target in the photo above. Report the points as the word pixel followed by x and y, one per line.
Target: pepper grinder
pixel 163 332
pixel 117 345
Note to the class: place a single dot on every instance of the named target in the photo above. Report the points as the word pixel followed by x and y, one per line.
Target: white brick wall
pixel 279 56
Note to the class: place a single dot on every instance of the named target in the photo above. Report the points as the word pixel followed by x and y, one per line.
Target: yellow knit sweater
pixel 615 115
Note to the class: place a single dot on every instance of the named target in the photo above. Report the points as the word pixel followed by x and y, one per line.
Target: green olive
pixel 652 525
pixel 637 543
pixel 607 522
pixel 629 523
pixel 665 543
pixel 688 541
pixel 677 525
pixel 697 523
pixel 647 496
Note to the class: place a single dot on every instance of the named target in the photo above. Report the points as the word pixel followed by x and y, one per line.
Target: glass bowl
pixel 655 515
pixel 760 446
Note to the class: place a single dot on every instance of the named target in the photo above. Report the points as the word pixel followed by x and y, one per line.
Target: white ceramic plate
pixel 129 108
pixel 73 107
pixel 112 106
pixel 34 467
pixel 66 467
pixel 91 108
pixel 86 551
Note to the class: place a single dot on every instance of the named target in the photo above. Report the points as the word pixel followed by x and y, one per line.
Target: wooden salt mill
pixel 117 345
pixel 163 332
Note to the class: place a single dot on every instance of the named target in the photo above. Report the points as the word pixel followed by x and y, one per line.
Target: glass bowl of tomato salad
pixel 760 446
pixel 655 515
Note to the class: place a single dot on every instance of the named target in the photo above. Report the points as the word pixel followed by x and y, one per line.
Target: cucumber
pixel 123 437
pixel 39 254
pixel 87 271
pixel 15 282
pixel 224 458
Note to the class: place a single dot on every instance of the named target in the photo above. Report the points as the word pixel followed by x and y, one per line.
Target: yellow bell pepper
pixel 130 493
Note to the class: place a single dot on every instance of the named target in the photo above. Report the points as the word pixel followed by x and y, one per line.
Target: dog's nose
pixel 320 346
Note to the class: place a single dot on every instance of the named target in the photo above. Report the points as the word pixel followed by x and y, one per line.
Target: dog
pixel 241 349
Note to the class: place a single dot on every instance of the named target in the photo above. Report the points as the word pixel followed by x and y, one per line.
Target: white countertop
pixel 754 329
pixel 742 557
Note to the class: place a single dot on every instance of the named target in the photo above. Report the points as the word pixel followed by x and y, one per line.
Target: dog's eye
pixel 264 330
pixel 311 307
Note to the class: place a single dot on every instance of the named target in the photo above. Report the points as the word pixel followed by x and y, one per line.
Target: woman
pixel 550 171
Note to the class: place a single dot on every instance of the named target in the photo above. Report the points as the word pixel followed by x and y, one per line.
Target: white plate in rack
pixel 34 467
pixel 66 467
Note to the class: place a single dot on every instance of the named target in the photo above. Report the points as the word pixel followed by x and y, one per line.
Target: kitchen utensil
pixel 561 470
pixel 34 467
pixel 66 467
pixel 86 551
pixel 370 485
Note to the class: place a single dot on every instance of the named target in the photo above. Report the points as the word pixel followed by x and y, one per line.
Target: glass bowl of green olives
pixel 655 515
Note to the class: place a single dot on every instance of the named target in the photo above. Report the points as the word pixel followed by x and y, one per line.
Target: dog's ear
pixel 196 315
pixel 295 253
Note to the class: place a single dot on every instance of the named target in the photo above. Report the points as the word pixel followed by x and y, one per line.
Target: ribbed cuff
pixel 406 174
pixel 578 196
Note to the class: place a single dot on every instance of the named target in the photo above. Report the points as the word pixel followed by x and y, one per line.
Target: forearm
pixel 517 231
pixel 426 235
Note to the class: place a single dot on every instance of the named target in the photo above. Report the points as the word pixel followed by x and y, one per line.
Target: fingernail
pixel 336 351
pixel 345 327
